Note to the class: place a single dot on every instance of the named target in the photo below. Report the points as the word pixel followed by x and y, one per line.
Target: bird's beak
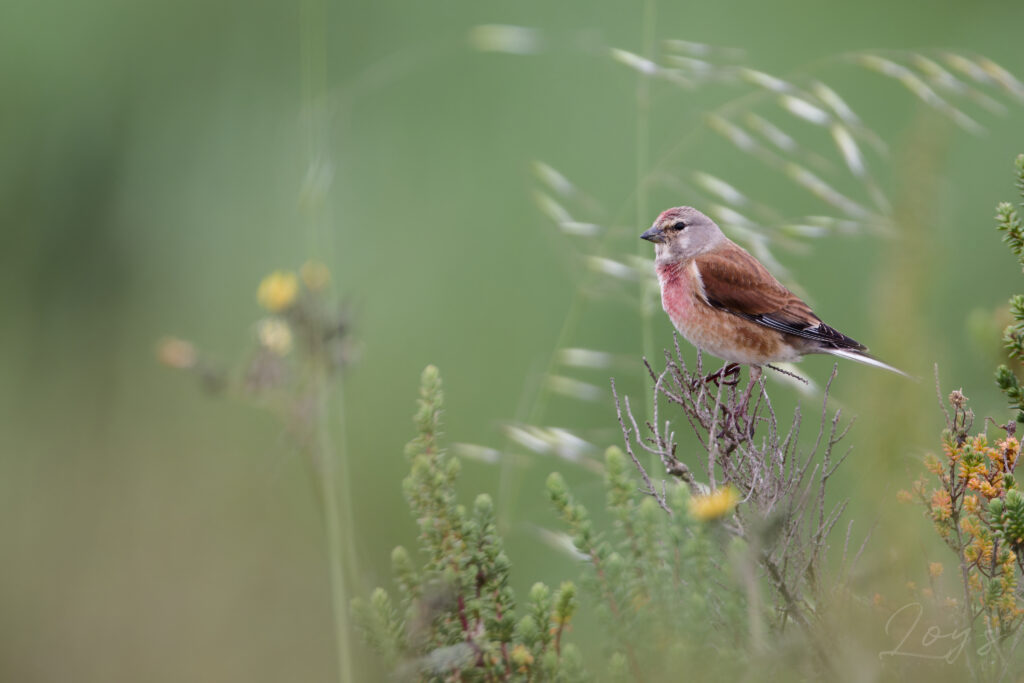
pixel 654 234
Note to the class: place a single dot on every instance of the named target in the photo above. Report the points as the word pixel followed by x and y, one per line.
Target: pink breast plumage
pixel 676 292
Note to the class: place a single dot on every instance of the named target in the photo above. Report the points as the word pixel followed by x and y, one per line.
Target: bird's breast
pixel 717 332
pixel 679 285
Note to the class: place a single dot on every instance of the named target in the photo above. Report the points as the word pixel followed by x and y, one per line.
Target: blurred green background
pixel 152 160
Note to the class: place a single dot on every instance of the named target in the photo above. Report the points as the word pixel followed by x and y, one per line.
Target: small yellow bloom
pixel 278 290
pixel 935 569
pixel 904 496
pixel 176 353
pixel 714 505
pixel 275 335
pixel 315 275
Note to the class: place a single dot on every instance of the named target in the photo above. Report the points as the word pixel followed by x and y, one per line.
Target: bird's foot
pixel 729 375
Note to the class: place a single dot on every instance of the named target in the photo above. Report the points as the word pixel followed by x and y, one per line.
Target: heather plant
pixel 1008 222
pixel 767 486
pixel 710 577
pixel 785 518
pixel 456 616
pixel 662 586
pixel 976 506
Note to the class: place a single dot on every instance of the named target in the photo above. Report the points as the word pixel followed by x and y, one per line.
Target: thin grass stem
pixel 330 460
pixel 337 511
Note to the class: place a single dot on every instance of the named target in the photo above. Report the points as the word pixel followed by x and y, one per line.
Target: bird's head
pixel 682 233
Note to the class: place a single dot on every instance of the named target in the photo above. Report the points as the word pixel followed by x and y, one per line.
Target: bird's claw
pixel 729 375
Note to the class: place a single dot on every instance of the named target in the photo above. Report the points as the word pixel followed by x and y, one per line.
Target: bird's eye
pixel 678 226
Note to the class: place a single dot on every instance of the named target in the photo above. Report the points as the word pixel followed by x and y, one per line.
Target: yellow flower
pixel 715 504
pixel 315 275
pixel 278 290
pixel 935 569
pixel 176 353
pixel 904 496
pixel 275 335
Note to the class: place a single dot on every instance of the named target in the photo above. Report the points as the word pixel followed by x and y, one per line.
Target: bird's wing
pixel 736 282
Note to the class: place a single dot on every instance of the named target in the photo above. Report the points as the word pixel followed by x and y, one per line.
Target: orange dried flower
pixel 1009 449
pixel 988 490
pixel 933 465
pixel 942 506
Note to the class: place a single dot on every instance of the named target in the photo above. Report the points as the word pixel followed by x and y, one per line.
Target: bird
pixel 727 304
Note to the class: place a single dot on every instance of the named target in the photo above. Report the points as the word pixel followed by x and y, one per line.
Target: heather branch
pixel 746 448
pixel 649 486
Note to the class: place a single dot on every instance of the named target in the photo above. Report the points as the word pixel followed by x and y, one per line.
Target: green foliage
pixel 661 599
pixel 1008 221
pixel 664 603
pixel 456 616
pixel 1007 515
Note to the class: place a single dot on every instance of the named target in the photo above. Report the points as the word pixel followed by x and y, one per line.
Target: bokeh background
pixel 153 164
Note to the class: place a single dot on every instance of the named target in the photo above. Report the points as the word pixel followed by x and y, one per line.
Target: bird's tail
pixel 862 357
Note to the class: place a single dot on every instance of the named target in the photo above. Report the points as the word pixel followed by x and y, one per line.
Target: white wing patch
pixel 695 270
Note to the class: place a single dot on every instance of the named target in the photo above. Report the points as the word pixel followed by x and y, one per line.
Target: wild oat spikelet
pixel 714 505
pixel 278 291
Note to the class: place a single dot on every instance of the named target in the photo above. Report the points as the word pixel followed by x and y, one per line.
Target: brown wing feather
pixel 736 282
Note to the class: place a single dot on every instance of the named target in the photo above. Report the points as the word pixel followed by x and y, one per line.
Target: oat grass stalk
pixel 330 458
pixel 332 469
pixel 643 142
